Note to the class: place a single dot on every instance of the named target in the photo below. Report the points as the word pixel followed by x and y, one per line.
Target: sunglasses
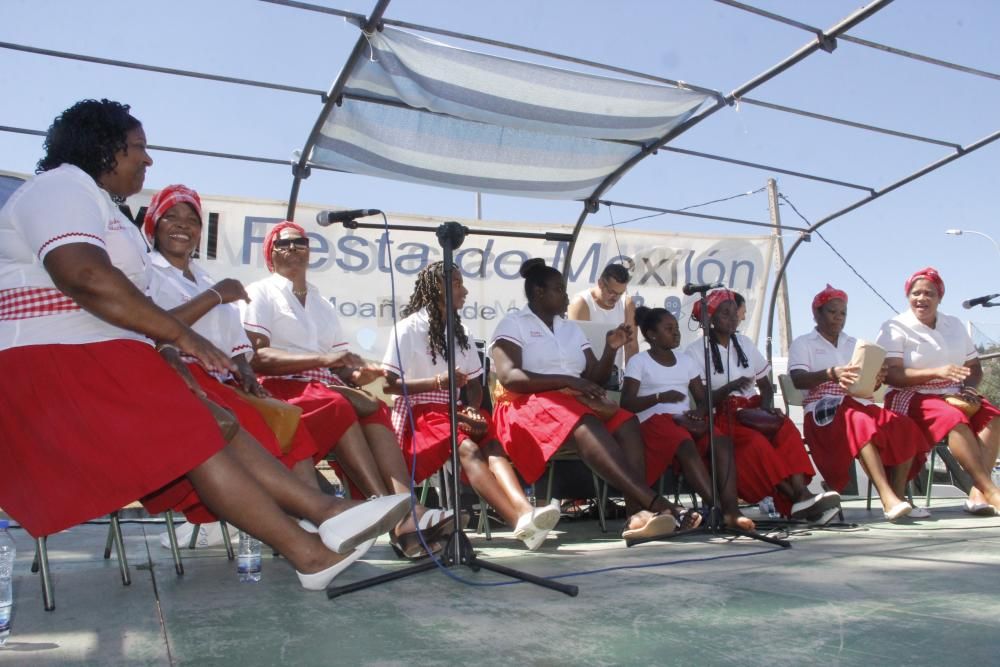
pixel 285 244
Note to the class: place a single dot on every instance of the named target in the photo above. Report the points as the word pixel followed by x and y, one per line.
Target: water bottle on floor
pixel 996 475
pixel 7 553
pixel 767 508
pixel 248 558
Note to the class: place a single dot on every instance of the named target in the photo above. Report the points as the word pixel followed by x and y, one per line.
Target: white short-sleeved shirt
pixel 654 377
pixel 920 346
pixel 556 351
pixel 55 208
pixel 275 312
pixel 414 350
pixel 221 325
pixel 812 352
pixel 731 369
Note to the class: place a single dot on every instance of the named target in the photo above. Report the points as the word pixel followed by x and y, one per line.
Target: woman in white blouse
pixel 933 363
pixel 552 397
pixel 302 357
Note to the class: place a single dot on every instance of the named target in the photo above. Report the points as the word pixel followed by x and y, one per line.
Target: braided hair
pixel 427 294
pixel 741 357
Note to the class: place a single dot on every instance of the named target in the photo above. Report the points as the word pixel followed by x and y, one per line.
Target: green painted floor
pixel 921 593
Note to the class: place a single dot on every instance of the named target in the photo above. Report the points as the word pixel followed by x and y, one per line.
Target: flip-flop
pixel 978 509
pixel 691 517
pixel 435 518
pixel 409 546
pixel 658 525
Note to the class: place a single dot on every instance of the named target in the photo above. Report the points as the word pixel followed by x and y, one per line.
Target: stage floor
pixel 919 593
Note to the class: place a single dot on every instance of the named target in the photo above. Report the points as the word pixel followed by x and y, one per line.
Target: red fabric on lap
pixel 87 429
pixel 532 427
pixel 662 436
pixel 433 438
pixel 936 418
pixel 326 413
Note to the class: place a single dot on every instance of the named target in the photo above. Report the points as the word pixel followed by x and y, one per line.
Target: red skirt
pixel 87 429
pixel 432 440
pixel 835 446
pixel 762 463
pixel 532 427
pixel 936 418
pixel 326 414
pixel 662 436
pixel 302 445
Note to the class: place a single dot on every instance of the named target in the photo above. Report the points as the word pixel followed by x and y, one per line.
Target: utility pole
pixel 784 316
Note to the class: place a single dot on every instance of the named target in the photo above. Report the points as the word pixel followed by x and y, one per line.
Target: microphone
pixel 325 218
pixel 978 301
pixel 693 288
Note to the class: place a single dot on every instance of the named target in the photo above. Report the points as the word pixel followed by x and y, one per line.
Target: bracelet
pixel 216 292
pixel 437 381
pixel 160 347
pixel 657 397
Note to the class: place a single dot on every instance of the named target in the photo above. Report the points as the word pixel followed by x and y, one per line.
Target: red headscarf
pixel 931 274
pixel 715 299
pixel 163 201
pixel 828 294
pixel 272 236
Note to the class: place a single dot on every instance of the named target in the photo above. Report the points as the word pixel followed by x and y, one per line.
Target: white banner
pixel 352 268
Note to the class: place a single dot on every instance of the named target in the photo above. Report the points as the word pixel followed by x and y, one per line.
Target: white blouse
pixel 654 377
pixel 921 347
pixel 731 369
pixel 414 350
pixel 556 351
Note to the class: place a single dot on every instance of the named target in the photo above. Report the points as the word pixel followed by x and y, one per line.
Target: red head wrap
pixel 272 237
pixel 931 274
pixel 163 201
pixel 715 299
pixel 828 294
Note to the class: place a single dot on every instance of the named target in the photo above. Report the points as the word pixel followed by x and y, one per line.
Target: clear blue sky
pixel 697 41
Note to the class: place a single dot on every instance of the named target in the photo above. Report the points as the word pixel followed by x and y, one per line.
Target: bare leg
pixel 614 463
pixel 360 464
pixel 971 453
pixel 794 487
pixel 305 470
pixel 231 491
pixel 899 475
pixel 483 480
pixel 872 463
pixel 388 456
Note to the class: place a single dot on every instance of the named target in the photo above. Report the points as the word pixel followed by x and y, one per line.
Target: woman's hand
pixel 672 396
pixel 366 374
pixel 618 337
pixel 471 423
pixel 342 359
pixel 211 357
pixel 247 380
pixel 230 290
pixel 173 358
pixel 880 377
pixel 739 384
pixel 845 376
pixel 586 388
pixel 953 372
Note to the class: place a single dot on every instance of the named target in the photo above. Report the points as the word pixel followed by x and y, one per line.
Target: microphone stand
pixel 458 550
pixel 714 524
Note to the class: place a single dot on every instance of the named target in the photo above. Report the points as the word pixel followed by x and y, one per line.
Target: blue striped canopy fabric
pixel 421 111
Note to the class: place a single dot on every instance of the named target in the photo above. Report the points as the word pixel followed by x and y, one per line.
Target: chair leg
pixel 230 554
pixel 484 521
pixel 930 477
pixel 42 563
pixel 193 542
pixel 549 482
pixel 109 542
pixel 120 549
pixel 601 489
pixel 174 550
pixel 868 504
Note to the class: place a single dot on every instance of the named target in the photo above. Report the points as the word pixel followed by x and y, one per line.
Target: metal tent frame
pixel 823 40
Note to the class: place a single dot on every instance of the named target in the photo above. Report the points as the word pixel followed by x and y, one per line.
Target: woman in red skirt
pixel 301 357
pixel 172 225
pixel 656 388
pixel 93 418
pixel 839 427
pixel 775 465
pixel 550 397
pixel 416 365
pixel 934 367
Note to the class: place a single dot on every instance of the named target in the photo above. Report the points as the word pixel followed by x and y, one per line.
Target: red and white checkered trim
pixel 400 409
pixel 899 400
pixel 21 303
pixel 830 388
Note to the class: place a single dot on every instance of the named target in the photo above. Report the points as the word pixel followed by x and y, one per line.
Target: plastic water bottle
pixel 248 558
pixel 7 552
pixel 338 489
pixel 767 508
pixel 529 493
pixel 996 475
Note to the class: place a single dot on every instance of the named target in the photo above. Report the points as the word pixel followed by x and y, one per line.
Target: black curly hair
pixel 427 293
pixel 88 135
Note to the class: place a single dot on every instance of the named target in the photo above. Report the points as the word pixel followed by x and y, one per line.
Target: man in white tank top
pixel 607 303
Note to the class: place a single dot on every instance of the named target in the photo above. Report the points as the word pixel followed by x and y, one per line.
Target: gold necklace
pixel 302 293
